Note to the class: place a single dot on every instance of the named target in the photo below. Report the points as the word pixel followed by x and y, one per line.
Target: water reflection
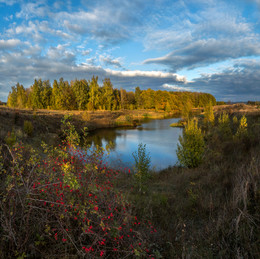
pixel 160 139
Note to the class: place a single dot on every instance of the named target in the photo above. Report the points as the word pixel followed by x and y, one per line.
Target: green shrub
pixel 28 128
pixel 142 165
pixel 209 117
pixel 10 139
pixel 242 129
pixel 71 135
pixel 224 126
pixel 235 120
pixel 65 205
pixel 191 148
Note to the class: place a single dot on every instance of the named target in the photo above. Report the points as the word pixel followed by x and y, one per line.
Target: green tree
pixel 224 126
pixel 35 94
pixel 142 165
pixel 12 97
pixel 68 99
pixel 81 93
pixel 107 94
pixel 46 94
pixel 191 148
pixel 56 96
pixel 93 93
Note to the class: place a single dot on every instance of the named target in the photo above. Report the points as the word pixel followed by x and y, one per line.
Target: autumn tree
pixel 242 128
pixel 12 97
pixel 123 98
pixel 93 93
pixel 224 126
pixel 191 148
pixel 209 117
pixel 138 98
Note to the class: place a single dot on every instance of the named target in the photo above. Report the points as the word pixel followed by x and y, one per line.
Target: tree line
pixel 89 95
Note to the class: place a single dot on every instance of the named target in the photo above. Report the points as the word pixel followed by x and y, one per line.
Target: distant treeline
pixel 88 95
pixel 253 103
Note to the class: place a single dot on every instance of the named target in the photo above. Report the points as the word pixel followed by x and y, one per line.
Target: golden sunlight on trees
pixel 191 148
pixel 242 128
pixel 209 117
pixel 89 95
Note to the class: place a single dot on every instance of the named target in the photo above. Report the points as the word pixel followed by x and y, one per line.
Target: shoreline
pixel 47 123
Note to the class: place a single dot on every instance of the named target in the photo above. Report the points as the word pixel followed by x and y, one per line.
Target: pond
pixel 160 139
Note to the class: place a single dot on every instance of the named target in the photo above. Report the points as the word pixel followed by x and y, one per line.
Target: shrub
pixel 191 148
pixel 28 128
pixel 10 139
pixel 142 165
pixel 209 117
pixel 71 135
pixel 224 126
pixel 66 205
pixel 242 129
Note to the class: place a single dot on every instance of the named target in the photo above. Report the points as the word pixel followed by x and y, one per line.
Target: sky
pixel 176 45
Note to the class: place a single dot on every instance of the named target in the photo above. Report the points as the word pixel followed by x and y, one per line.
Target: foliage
pixel 242 128
pixel 10 139
pixel 224 126
pixel 213 210
pixel 89 95
pixel 142 165
pixel 65 203
pixel 71 135
pixel 28 127
pixel 235 120
pixel 209 117
pixel 186 111
pixel 191 148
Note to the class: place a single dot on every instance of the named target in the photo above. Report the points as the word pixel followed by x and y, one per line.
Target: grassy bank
pixel 87 210
pixel 47 123
pixel 212 211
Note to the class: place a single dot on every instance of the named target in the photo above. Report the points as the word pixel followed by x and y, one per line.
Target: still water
pixel 160 139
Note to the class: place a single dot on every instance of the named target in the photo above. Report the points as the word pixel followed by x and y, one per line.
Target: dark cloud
pixel 215 32
pixel 238 83
pixel 206 52
pixel 106 21
pixel 106 60
pixel 17 66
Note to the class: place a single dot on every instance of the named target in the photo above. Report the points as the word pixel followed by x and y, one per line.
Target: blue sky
pixel 196 45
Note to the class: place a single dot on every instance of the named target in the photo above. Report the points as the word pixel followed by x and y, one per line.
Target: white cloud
pixel 30 10
pixel 86 52
pixel 176 87
pixel 9 44
pixel 150 74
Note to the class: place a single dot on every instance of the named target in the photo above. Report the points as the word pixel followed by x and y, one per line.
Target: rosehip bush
pixel 62 202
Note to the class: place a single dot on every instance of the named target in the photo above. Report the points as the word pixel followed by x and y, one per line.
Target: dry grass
pixel 237 108
pixel 212 211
